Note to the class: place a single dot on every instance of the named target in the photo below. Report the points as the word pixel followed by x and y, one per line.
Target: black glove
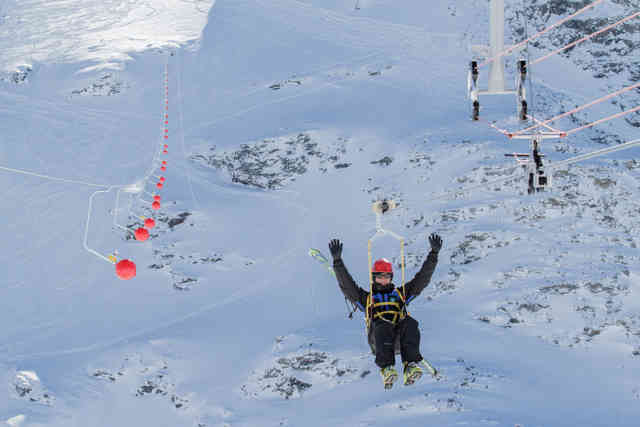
pixel 336 249
pixel 436 242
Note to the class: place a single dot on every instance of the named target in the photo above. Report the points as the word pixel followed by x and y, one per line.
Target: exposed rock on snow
pixel 478 245
pixel 20 76
pixel 291 374
pixel 385 161
pixel 27 385
pixel 290 82
pixel 161 218
pixel 570 313
pixel 153 376
pixel 107 85
pixel 273 163
pixel 174 262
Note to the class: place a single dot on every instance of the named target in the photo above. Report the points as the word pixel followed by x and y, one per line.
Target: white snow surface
pixel 106 32
pixel 286 120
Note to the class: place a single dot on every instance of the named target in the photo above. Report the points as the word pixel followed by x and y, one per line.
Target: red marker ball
pixel 162 179
pixel 141 234
pixel 149 223
pixel 159 185
pixel 156 198
pixel 164 162
pixel 126 269
pixel 155 205
pixel 163 168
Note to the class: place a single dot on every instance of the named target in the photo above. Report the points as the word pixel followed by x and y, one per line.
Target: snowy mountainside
pixel 287 119
pixel 103 32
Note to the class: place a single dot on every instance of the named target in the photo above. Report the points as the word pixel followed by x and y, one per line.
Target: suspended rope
pixel 570 45
pixel 109 259
pixel 543 124
pixel 502 131
pixel 52 178
pixel 597 122
pixel 593 154
pixel 535 36
pixel 511 176
pixel 575 110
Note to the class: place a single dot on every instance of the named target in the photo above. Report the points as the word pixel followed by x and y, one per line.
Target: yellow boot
pixel 412 373
pixel 389 376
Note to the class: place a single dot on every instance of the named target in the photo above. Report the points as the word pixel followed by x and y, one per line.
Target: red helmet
pixel 382 266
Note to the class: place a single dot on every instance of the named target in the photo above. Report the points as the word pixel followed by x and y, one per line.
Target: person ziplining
pixel 390 328
pixel 390 324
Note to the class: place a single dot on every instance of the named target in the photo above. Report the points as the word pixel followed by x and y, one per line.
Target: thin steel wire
pixel 585 38
pixel 528 39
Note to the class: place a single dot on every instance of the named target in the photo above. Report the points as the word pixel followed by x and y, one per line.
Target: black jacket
pixel 358 296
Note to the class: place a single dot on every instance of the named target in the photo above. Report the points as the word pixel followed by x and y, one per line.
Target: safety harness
pixel 387 306
pixel 377 309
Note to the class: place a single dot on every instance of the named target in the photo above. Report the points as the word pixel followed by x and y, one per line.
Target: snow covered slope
pixel 287 119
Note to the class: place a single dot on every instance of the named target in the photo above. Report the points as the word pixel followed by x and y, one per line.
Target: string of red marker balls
pixel 126 269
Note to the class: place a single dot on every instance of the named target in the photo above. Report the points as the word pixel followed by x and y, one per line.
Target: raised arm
pixel 416 285
pixel 348 286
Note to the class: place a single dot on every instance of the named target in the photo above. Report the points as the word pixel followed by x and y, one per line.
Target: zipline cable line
pixel 535 36
pixel 453 194
pixel 593 154
pixel 606 119
pixel 580 108
pixel 523 106
pixel 570 45
pixel 563 134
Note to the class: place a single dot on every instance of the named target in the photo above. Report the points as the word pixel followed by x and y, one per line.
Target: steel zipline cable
pixel 568 46
pixel 569 132
pixel 585 38
pixel 535 36
pixel 606 119
pixel 452 194
pixel 580 108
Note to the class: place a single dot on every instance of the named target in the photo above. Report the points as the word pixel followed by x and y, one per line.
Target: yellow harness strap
pixel 398 314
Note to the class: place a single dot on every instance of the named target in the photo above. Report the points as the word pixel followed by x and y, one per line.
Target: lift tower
pixel 496 83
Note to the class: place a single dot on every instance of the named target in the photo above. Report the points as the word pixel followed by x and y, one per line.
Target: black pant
pixel 406 331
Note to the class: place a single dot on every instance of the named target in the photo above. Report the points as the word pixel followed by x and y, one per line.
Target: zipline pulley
pixel 380 208
pixel 538 178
